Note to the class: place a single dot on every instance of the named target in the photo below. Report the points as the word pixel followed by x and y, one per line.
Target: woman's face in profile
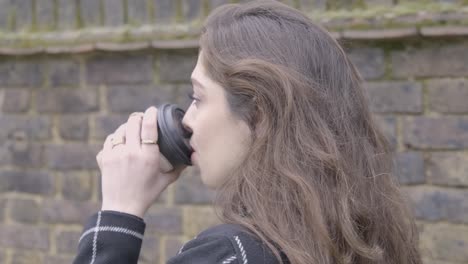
pixel 219 140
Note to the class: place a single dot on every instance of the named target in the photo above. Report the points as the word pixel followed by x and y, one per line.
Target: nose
pixel 186 123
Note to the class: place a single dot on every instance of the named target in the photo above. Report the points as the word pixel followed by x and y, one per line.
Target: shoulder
pixel 225 243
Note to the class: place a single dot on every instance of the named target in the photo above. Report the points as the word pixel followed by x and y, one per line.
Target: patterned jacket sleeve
pixel 206 250
pixel 111 237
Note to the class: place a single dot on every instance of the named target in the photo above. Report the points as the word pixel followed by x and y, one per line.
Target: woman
pixel 282 131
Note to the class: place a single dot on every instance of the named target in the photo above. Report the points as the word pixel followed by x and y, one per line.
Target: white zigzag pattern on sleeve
pixel 239 244
pixel 112 229
pixel 229 260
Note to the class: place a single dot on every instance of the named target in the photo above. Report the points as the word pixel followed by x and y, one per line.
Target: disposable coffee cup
pixel 173 138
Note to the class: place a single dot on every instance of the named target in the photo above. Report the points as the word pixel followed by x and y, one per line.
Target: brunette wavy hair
pixel 317 184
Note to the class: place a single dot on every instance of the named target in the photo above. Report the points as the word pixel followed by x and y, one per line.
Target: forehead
pixel 199 70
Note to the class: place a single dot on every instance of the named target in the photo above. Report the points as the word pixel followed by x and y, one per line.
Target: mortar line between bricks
pixel 53 241
pixel 162 247
pixel 56 138
pixel 9 255
pixel 399 134
pixel 103 91
pixel 443 222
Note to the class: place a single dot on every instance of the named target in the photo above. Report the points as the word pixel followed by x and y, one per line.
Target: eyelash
pixel 193 98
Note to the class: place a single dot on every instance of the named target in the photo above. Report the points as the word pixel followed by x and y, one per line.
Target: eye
pixel 193 98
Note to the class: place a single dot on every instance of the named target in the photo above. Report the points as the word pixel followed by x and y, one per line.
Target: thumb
pixel 175 173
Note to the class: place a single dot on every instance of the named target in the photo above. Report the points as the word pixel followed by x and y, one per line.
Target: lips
pixel 192 148
pixel 192 157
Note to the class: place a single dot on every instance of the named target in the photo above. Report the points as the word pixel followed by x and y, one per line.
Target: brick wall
pixel 62 93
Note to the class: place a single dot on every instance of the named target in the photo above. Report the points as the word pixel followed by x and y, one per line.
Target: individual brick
pixel 64 72
pixel 445 242
pixel 370 62
pixel 16 100
pixel 33 182
pixel 23 14
pixel 419 62
pixel 172 247
pixel 126 99
pixel 434 261
pixel 439 204
pixel 164 220
pixel 165 11
pixel 106 125
pixel 22 154
pixel 410 168
pixel 177 66
pixel 395 97
pixel 3 203
pixel 137 12
pixel 67 101
pixel 449 169
pixel 192 9
pixel 90 11
pixel 216 3
pixel 435 132
pixel 26 257
pixel 57 259
pixel 67 212
pixel 149 249
pixel 45 17
pixel 6 14
pixel 24 210
pixel 120 69
pixel 74 127
pixel 72 156
pixel 197 219
pixel 36 127
pixel 67 241
pixel 387 124
pixel 313 5
pixel 77 186
pixel 24 237
pixel 448 95
pixel 23 73
pixel 67 14
pixel 113 12
pixel 189 189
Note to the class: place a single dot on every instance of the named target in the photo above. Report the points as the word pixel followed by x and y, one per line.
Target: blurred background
pixel 71 71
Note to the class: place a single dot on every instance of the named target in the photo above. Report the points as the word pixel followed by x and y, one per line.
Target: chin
pixel 208 182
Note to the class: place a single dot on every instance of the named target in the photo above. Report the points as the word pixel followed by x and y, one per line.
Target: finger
pixel 108 143
pixel 119 133
pixel 133 132
pixel 137 114
pixel 149 127
pixel 98 159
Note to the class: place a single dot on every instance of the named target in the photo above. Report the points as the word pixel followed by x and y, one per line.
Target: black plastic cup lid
pixel 173 138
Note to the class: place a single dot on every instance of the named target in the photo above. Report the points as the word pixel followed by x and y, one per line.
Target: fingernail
pixel 137 114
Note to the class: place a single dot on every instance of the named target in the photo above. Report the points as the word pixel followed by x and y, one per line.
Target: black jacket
pixel 113 237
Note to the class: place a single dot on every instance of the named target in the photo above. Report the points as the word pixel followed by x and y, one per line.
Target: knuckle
pixel 131 155
pixel 149 125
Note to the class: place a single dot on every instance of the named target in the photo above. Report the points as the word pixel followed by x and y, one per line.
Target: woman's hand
pixel 131 177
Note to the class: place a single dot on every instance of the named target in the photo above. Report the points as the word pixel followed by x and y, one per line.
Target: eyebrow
pixel 197 82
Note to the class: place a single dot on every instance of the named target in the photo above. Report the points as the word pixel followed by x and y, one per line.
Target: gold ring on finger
pixel 115 142
pixel 148 141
